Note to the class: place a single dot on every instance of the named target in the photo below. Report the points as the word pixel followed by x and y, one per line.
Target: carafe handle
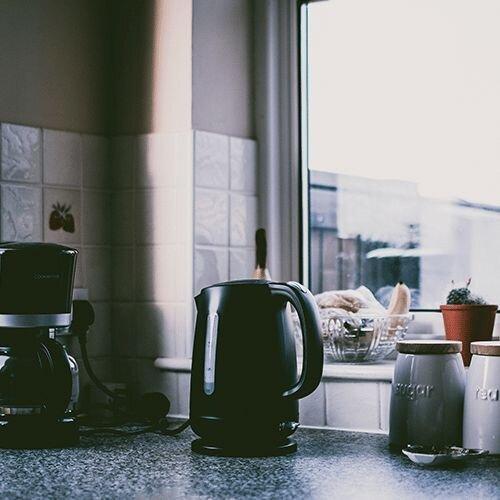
pixel 312 369
pixel 59 387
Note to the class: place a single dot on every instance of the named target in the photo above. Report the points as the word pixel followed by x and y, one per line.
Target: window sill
pixel 378 372
pixel 178 365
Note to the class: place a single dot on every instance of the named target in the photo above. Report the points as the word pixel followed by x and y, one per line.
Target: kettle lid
pixel 242 282
pixel 228 285
pixel 247 282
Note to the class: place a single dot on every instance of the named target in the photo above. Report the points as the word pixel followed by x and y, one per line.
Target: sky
pixel 408 90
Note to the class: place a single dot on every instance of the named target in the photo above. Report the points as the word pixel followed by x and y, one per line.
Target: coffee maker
pixel 38 379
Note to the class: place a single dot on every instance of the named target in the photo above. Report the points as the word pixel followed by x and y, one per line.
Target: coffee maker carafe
pixel 244 382
pixel 38 380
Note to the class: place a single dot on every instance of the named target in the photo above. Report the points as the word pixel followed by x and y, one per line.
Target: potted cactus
pixel 468 318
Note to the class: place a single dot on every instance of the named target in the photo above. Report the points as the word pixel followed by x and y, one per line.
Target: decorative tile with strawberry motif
pixel 61 216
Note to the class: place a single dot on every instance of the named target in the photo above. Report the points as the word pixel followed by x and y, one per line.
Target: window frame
pixel 303 128
pixel 277 95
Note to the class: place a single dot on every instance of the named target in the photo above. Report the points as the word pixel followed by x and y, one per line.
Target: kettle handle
pixel 312 369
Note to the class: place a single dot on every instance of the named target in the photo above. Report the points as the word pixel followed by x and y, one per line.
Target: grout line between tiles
pixel 229 215
pixel 81 192
pixel 379 406
pixel 323 384
pixel 42 176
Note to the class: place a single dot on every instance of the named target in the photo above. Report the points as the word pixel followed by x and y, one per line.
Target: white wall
pixel 55 61
pixel 223 70
pixel 151 83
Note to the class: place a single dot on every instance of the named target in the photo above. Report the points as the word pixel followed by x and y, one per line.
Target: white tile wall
pixel 99 337
pixel 184 323
pixel 243 159
pixel 97 265
pixel 312 410
pixel 155 273
pixel 96 171
pixel 122 259
pixel 152 235
pixel 183 205
pixel 226 215
pixel 241 263
pixel 171 222
pixel 155 330
pixel 125 371
pixel 211 160
pixel 124 161
pixel 158 158
pixel 96 218
pixel 243 220
pixel 385 401
pixel 79 275
pixel 349 404
pixel 184 380
pixel 211 217
pixel 183 277
pixel 211 266
pixel 122 217
pixel 62 158
pixel 21 153
pixel 352 405
pixel 124 334
pixel 103 368
pixel 21 213
pixel 156 216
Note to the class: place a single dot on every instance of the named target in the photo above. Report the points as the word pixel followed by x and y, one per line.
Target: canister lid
pixel 429 346
pixel 487 348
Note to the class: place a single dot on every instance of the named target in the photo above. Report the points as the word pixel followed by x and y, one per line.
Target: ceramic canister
pixel 482 398
pixel 427 394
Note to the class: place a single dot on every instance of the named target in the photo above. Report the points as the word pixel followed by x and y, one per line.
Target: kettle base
pixel 285 447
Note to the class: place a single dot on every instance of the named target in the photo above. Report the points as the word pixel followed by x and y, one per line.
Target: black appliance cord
pixel 160 428
pixel 81 328
pixel 88 368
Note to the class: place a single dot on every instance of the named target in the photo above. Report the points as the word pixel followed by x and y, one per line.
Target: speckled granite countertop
pixel 328 464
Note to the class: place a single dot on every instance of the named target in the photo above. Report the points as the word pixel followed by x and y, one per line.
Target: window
pixel 402 109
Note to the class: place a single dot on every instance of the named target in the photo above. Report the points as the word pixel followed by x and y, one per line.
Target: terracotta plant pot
pixel 468 323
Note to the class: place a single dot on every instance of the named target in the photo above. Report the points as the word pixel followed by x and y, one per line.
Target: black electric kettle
pixel 244 381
